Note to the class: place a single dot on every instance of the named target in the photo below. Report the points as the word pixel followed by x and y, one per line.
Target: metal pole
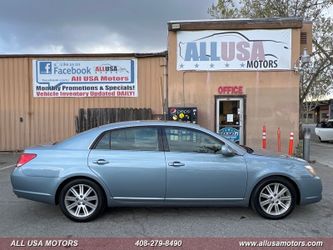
pixel 279 140
pixel 306 144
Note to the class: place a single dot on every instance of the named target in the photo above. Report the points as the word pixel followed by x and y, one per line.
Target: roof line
pixel 237 20
pixel 136 55
pixel 236 24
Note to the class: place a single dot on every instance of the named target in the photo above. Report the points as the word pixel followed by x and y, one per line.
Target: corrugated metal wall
pixel 15 95
pixel 26 121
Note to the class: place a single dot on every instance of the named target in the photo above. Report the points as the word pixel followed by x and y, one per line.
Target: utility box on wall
pixel 185 114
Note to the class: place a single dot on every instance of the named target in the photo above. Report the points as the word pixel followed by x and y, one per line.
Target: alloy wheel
pixel 275 199
pixel 81 200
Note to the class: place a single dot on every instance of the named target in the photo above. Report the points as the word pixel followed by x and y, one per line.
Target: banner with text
pixel 213 50
pixel 109 78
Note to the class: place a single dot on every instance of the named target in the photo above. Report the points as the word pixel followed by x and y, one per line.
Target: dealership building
pixel 231 76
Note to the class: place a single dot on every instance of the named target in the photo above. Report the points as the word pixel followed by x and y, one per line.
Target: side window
pixel 104 142
pixel 188 140
pixel 139 138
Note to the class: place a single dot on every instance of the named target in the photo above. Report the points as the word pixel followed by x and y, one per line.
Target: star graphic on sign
pixel 242 65
pixel 196 65
pixel 181 66
pixel 212 65
pixel 227 65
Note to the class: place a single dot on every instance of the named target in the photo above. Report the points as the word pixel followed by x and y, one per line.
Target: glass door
pixel 229 119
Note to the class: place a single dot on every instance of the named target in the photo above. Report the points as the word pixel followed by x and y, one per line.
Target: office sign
pixel 214 50
pixel 230 90
pixel 102 78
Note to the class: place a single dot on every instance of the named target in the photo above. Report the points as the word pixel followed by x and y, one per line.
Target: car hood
pixel 288 157
pixel 283 160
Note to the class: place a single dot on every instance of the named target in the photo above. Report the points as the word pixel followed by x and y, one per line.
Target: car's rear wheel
pixel 274 198
pixel 81 200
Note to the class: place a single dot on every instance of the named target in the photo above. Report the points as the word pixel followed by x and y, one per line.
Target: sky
pixel 91 26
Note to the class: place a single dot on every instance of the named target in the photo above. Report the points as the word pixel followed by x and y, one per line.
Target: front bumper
pixel 310 189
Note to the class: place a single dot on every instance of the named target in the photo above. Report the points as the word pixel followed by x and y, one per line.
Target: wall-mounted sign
pixel 188 114
pixel 230 90
pixel 103 78
pixel 234 50
pixel 230 133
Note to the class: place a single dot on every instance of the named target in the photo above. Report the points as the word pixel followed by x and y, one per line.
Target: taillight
pixel 25 158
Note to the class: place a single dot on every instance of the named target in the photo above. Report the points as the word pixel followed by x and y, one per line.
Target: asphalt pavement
pixel 21 217
pixel 322 152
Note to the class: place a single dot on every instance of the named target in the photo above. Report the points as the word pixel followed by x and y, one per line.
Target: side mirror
pixel 227 151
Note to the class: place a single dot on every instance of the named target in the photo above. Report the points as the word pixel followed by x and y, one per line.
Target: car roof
pixel 147 123
pixel 85 139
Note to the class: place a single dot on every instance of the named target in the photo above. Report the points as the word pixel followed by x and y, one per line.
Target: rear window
pixel 138 139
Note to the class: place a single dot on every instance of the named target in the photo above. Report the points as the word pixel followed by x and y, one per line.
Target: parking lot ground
pixel 322 152
pixel 7 160
pixel 21 217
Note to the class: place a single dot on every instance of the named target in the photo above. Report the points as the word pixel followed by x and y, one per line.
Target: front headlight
pixel 310 170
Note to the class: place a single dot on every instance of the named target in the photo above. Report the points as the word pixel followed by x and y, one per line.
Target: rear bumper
pixel 33 188
pixel 41 197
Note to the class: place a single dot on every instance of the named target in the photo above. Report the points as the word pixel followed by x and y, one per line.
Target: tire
pixel 82 200
pixel 274 198
pixel 322 141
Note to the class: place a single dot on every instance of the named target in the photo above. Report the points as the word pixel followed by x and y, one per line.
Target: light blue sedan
pixel 157 163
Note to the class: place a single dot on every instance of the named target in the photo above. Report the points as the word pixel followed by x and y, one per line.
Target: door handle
pixel 176 164
pixel 101 162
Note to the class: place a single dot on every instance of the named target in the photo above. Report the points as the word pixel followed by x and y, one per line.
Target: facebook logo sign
pixel 45 67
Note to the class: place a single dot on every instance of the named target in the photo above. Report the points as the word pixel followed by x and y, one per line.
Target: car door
pixel 329 131
pixel 131 162
pixel 325 131
pixel 197 171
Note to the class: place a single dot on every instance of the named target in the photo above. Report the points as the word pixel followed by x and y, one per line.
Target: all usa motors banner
pixel 109 78
pixel 234 50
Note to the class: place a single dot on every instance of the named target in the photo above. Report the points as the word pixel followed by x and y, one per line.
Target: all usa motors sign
pixel 234 50
pixel 230 133
pixel 109 78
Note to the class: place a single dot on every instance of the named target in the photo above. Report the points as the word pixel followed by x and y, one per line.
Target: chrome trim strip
pixel 139 198
pixel 204 199
pixel 29 192
pixel 178 199
pixel 311 197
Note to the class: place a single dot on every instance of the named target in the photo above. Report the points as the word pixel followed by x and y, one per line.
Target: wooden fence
pixel 94 117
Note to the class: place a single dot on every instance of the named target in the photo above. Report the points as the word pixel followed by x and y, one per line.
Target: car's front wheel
pixel 274 198
pixel 81 200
